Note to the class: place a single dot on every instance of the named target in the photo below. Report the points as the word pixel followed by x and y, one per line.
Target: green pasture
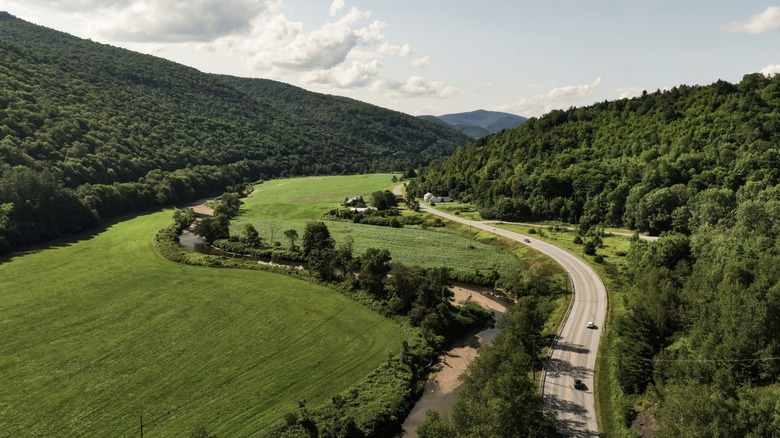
pixel 311 197
pixel 467 211
pixel 99 332
pixel 279 205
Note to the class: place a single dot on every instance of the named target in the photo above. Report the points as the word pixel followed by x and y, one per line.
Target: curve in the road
pixel 574 353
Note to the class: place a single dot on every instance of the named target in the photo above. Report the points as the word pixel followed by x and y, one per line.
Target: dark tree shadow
pixel 574 427
pixel 574 348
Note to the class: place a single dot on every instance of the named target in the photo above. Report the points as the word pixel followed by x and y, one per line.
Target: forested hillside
pixel 693 348
pixel 89 131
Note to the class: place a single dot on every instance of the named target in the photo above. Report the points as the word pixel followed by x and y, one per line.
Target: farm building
pixel 430 197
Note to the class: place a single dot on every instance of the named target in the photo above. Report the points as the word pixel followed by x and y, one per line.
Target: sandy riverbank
pixel 441 390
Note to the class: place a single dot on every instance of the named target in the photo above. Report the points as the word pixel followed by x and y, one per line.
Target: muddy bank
pixel 441 390
pixel 192 242
pixel 200 207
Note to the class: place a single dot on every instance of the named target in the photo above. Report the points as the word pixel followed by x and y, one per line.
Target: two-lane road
pixel 574 354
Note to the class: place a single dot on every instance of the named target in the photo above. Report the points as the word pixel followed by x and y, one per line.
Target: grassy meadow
pixel 101 331
pixel 279 205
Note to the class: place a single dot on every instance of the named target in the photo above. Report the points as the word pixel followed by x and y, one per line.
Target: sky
pixel 442 56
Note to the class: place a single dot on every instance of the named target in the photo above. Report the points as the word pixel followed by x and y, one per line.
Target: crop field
pixel 279 205
pixel 102 331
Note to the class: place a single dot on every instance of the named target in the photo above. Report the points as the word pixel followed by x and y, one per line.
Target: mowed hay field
pixel 279 205
pixel 99 332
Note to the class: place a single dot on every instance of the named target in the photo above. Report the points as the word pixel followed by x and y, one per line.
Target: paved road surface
pixel 574 355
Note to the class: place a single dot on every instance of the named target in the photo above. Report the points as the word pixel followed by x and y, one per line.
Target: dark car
pixel 578 384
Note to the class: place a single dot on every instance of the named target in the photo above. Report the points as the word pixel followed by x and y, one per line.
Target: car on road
pixel 591 325
pixel 578 384
pixel 527 241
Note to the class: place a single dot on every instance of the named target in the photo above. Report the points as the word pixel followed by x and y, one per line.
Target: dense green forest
pixel 696 349
pixel 89 131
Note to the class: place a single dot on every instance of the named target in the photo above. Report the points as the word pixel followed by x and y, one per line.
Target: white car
pixel 591 325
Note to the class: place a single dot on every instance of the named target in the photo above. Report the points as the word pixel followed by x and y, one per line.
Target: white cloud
pixel 570 92
pixel 421 62
pixel 336 7
pixel 417 86
pixel 74 6
pixel 276 43
pixel 771 70
pixel 395 50
pixel 372 33
pixel 629 92
pixel 766 21
pixel 168 21
pixel 358 75
pixel 560 97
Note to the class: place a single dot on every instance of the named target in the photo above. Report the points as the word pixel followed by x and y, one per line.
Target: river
pixel 441 390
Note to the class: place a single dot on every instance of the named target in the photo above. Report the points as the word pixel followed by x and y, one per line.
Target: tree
pixel 403 287
pixel 435 426
pixel 6 226
pixel 382 200
pixel 316 236
pixel 251 236
pixel 589 248
pixel 183 218
pixel 318 248
pixel 374 267
pixel 344 254
pixel 213 228
pixel 292 235
pixel 523 326
pixel 498 398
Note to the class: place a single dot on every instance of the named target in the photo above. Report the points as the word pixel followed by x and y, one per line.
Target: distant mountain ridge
pixel 479 123
pixel 90 131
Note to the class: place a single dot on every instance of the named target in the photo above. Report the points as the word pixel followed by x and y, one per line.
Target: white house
pixel 430 197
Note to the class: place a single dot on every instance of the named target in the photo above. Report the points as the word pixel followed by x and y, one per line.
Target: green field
pixel 99 332
pixel 279 205
pixel 309 198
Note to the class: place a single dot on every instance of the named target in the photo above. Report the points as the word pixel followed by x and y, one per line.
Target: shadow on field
pixel 64 242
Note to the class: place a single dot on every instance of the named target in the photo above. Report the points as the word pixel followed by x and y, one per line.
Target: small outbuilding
pixel 430 197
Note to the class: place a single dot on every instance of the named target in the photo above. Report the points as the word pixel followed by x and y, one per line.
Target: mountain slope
pixel 626 163
pixel 95 131
pixel 692 334
pixel 352 122
pixel 479 123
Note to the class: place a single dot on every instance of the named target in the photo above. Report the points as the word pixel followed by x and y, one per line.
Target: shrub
pixel 412 220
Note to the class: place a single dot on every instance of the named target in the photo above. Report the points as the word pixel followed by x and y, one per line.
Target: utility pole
pixel 533 360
